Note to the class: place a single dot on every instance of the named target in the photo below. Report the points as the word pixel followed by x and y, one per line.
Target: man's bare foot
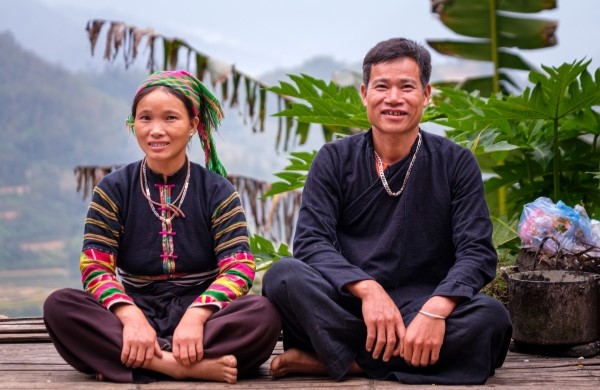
pixel 296 361
pixel 223 369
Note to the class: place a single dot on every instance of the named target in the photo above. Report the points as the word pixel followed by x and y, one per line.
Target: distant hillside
pixel 48 32
pixel 50 122
pixel 53 117
pixel 319 67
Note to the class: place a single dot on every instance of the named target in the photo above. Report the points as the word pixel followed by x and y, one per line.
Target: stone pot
pixel 554 307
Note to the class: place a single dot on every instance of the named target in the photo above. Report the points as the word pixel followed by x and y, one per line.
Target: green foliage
pixel 538 136
pixel 498 288
pixel 294 175
pixel 338 109
pixel 505 235
pixel 265 253
pixel 495 34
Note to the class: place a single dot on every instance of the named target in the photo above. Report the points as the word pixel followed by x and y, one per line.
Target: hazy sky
pixel 260 35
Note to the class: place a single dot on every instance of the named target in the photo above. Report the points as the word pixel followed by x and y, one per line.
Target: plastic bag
pixel 550 227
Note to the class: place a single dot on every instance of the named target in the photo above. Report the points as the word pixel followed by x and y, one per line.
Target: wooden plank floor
pixel 28 360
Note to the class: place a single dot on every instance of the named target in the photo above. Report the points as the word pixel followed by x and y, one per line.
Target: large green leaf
pixel 479 51
pixel 495 31
pixel 505 231
pixel 526 33
pixel 293 175
pixel 324 103
pixel 482 84
pixel 265 253
pixel 526 6
pixel 481 7
pixel 562 91
pixel 512 31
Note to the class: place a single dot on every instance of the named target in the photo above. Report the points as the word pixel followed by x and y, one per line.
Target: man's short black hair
pixel 394 49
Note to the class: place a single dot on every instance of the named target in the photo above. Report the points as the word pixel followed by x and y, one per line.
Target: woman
pixel 175 234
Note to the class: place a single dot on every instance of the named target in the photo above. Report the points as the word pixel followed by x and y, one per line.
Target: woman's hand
pixel 188 338
pixel 139 338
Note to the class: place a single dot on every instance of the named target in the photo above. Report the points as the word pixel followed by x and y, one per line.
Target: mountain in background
pixel 50 122
pixel 47 32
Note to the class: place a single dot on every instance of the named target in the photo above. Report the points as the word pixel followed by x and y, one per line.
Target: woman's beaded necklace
pixel 175 209
pixel 410 166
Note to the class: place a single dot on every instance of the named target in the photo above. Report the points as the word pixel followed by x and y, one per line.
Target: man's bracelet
pixel 431 315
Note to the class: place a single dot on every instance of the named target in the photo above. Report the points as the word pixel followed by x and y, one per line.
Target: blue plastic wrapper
pixel 551 227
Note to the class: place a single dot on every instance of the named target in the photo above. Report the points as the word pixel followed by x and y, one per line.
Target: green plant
pixel 498 287
pixel 294 175
pixel 265 253
pixel 496 34
pixel 498 27
pixel 542 142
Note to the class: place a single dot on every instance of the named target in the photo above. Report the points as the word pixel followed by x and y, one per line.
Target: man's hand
pixel 425 334
pixel 139 338
pixel 385 328
pixel 188 338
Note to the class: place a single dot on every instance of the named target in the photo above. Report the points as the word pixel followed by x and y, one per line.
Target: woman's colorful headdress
pixel 206 107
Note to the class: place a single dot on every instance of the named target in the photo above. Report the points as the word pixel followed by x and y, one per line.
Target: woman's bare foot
pixel 223 369
pixel 296 361
pixel 99 376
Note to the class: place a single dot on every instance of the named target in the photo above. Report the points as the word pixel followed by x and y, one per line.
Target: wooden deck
pixel 28 360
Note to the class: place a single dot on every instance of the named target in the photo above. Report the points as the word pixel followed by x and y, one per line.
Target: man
pixel 392 246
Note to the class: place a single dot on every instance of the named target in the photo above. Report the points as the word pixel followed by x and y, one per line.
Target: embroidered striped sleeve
pixel 98 276
pixel 98 258
pixel 236 263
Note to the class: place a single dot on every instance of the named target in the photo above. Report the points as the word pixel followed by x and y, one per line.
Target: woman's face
pixel 163 128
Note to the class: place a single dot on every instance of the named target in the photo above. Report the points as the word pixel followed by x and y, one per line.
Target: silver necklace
pixel 410 166
pixel 171 206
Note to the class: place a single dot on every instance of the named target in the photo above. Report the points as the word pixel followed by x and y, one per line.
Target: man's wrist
pixel 361 288
pixel 440 305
